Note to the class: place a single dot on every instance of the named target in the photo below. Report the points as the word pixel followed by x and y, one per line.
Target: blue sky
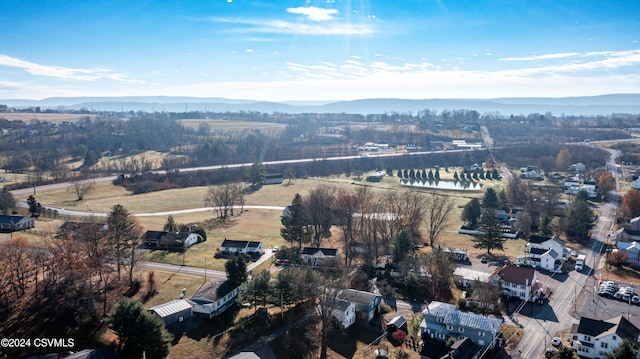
pixel 319 50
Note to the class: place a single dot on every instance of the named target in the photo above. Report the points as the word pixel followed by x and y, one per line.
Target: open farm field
pixel 226 125
pixel 49 117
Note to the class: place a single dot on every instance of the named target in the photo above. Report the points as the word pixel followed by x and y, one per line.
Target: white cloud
pixel 65 73
pixel 314 13
pixel 541 57
pixel 294 28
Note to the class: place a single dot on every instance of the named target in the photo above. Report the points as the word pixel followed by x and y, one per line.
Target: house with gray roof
pixel 544 253
pixel 593 338
pixel 443 321
pixel 367 304
pixel 230 246
pixel 318 256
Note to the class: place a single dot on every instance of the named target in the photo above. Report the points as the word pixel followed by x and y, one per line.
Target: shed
pixel 173 312
pixel 396 323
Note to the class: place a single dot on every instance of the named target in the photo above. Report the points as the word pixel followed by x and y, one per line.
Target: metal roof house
pixel 443 321
pixel 173 312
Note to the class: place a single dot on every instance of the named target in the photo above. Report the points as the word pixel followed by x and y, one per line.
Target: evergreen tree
pixel 236 269
pixel 490 199
pixel 138 331
pixel 495 175
pixel 437 174
pixel 296 225
pixel 430 176
pixel 171 225
pixel 491 236
pixel 623 351
pixel 455 175
pixel 401 246
pixel 389 171
pixel 579 220
pixel 471 211
pixel 399 174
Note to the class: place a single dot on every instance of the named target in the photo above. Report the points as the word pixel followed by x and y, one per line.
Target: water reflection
pixel 443 184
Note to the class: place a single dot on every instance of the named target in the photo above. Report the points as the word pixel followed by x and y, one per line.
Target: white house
pixel 242 247
pixel 632 249
pixel 177 240
pixel 595 338
pixel 317 256
pixel 544 253
pixel 518 282
pixel 465 276
pixel 214 299
pixel 344 313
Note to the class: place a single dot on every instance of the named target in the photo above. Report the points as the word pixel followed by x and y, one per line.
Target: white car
pixel 556 341
pixel 574 253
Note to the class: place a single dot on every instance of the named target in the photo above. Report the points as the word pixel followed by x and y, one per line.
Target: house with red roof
pixel 518 282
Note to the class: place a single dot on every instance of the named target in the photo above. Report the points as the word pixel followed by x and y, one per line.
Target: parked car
pixel 606 292
pixel 275 249
pixel 635 299
pixel 574 253
pixel 556 341
pixel 483 259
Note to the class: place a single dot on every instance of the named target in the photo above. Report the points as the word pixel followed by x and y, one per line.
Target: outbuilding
pixel 173 312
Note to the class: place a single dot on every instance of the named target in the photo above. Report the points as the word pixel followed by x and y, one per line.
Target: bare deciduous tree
pixel 224 197
pixel 82 187
pixel 438 208
pixel 318 205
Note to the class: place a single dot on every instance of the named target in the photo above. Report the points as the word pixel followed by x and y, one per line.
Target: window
pixel 482 334
pixel 441 336
pixel 461 329
pixel 481 342
pixel 449 327
pixel 604 345
pixel 440 320
pixel 614 337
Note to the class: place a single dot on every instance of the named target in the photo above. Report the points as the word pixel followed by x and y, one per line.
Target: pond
pixel 443 184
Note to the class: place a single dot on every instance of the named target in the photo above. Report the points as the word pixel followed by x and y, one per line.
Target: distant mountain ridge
pixel 584 105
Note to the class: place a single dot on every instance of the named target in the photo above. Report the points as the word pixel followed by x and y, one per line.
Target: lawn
pixel 253 224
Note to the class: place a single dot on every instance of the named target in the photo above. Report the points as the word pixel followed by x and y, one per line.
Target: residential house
pixel 318 256
pixel 170 240
pixel 593 338
pixel 632 249
pixel 518 282
pixel 629 232
pixel 344 313
pixel 529 172
pixel 16 223
pixel 367 304
pixel 212 300
pixel 443 321
pixel 231 246
pixel 75 228
pixel 457 254
pixel 464 276
pixel 544 253
pixel 578 167
pixel 172 312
